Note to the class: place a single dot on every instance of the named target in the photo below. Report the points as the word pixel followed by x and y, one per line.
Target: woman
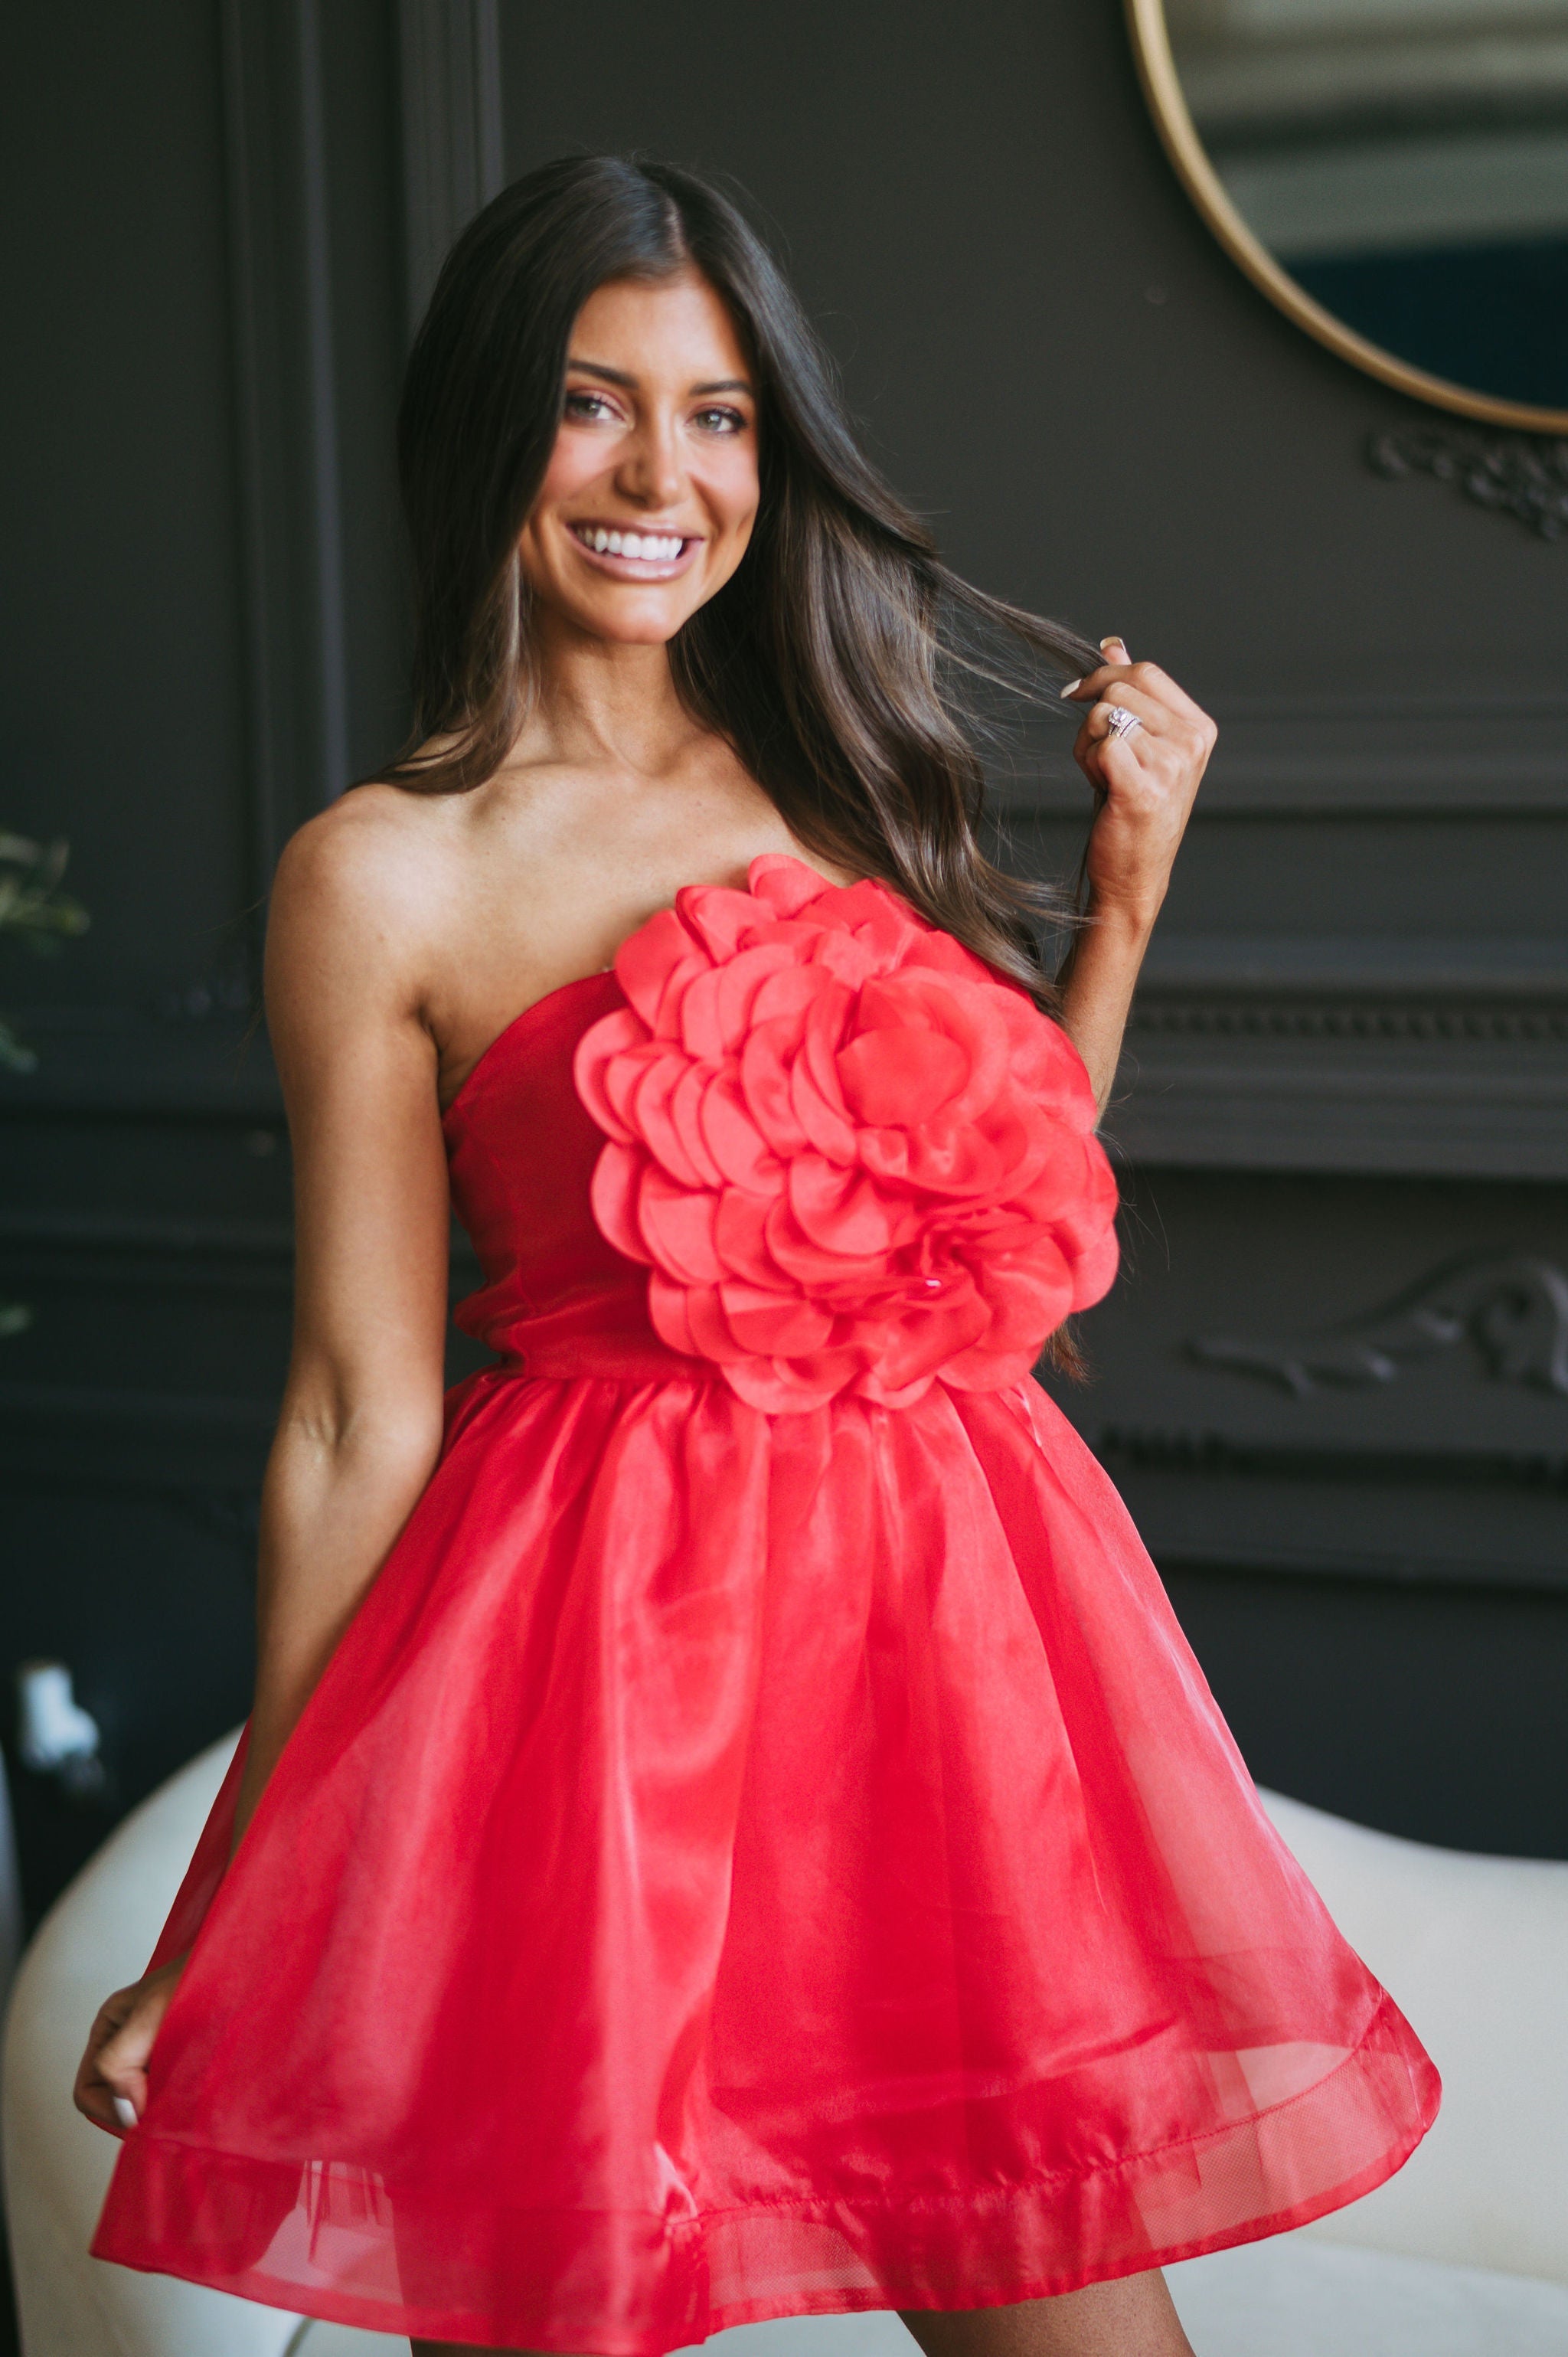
pixel 730 1826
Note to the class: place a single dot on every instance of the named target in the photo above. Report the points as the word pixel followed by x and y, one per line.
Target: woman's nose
pixel 650 470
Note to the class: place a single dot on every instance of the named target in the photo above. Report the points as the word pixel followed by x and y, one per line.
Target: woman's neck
pixel 600 701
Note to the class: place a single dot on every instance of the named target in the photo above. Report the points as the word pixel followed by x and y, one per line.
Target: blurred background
pixel 1333 1381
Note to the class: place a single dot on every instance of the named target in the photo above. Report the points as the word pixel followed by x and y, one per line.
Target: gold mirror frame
pixel 1162 90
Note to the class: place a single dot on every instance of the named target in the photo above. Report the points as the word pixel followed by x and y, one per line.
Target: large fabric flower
pixel 854 1158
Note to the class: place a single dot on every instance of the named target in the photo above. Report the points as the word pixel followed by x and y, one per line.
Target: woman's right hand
pixel 114 2067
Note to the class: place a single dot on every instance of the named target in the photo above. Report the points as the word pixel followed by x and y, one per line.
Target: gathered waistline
pixel 611 1361
pixel 635 1367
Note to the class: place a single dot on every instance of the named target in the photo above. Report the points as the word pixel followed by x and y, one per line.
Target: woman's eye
pixel 588 405
pixel 720 420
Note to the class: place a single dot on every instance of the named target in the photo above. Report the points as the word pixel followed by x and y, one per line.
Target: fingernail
pixel 125 2111
pixel 1115 640
pixel 1073 686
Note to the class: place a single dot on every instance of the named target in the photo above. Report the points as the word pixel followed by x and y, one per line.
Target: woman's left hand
pixel 1148 775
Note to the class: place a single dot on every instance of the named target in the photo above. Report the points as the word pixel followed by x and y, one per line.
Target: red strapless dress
pixel 763 1844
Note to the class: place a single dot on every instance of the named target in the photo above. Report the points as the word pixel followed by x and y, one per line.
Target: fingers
pixel 1143 707
pixel 1117 672
pixel 93 2093
pixel 1147 677
pixel 104 2107
pixel 121 2063
pixel 111 2081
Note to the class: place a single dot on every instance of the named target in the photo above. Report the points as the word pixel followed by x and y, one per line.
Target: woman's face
pixel 650 494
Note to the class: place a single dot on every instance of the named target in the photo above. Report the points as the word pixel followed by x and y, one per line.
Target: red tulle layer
pixel 737 1867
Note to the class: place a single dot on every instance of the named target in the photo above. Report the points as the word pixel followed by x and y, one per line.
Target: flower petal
pixel 842 1211
pixel 719 918
pixel 689 1318
pixel 686 1118
pixel 646 960
pixel 765 1064
pixel 899 1075
pixel 739 982
pixel 600 1046
pixel 818 1268
pixel 612 1191
pixel 785 885
pixel 740 1237
pixel 774 1324
pixel 825 1123
pixel 741 1153
pixel 676 1225
pixel 788 993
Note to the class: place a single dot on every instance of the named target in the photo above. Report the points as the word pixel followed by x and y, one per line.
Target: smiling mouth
pixel 645 551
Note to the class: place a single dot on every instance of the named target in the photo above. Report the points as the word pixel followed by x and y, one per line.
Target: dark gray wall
pixel 203 638
pixel 1348 1065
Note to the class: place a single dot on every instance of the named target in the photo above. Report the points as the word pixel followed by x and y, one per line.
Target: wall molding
pixel 453 161
pixel 1228 1103
pixel 1517 474
pixel 1203 1501
pixel 1292 756
pixel 286 433
pixel 1512 1307
pixel 1348 1018
pixel 1423 1058
pixel 1472 970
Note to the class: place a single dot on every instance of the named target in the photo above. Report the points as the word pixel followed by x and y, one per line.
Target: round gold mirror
pixel 1392 173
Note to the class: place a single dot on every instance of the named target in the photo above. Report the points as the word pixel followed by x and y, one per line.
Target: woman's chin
pixel 640 618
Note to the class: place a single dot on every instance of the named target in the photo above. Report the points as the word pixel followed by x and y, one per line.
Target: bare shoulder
pixel 361 888
pixel 359 907
pixel 378 849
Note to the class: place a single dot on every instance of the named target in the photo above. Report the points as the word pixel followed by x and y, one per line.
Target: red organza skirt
pixel 738 1867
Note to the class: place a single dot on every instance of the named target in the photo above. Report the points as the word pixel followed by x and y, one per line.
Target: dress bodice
pixel 557 1299
pixel 799 1139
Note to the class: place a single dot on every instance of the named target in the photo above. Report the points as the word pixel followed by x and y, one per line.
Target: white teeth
pixel 645 548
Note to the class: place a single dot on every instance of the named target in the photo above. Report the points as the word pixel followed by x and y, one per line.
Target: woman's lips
pixel 638 555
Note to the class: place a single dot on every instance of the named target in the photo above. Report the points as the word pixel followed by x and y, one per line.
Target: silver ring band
pixel 1120 722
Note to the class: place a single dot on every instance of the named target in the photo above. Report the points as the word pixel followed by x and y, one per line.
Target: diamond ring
pixel 1120 722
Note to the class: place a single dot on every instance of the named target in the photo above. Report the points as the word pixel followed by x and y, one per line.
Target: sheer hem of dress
pixel 331 2241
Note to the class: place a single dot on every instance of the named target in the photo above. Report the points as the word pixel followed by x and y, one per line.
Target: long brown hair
pixel 845 664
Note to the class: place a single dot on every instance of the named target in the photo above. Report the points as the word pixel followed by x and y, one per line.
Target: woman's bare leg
pixel 1134 2316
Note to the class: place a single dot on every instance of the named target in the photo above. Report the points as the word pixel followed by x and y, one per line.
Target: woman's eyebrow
pixel 597 367
pixel 619 376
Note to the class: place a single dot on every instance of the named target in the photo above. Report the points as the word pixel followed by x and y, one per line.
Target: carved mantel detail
pixel 1518 474
pixel 1512 1308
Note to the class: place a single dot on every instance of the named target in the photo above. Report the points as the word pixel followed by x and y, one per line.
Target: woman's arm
pixel 360 1425
pixel 1147 780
